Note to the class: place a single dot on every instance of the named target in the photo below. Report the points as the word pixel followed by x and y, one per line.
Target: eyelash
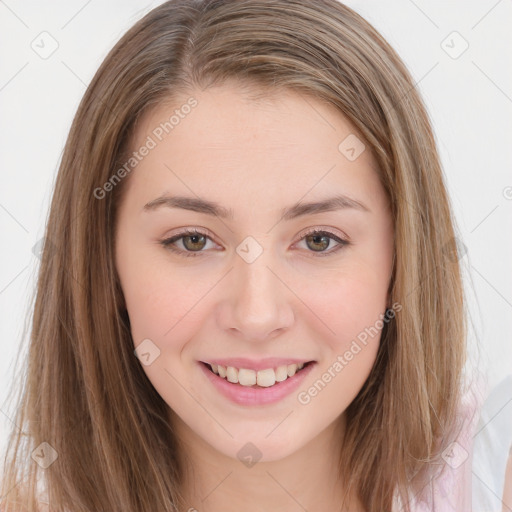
pixel 167 243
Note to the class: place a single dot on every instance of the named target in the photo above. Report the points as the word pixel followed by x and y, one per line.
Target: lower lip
pixel 244 395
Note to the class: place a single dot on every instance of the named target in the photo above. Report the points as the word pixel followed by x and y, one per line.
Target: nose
pixel 258 304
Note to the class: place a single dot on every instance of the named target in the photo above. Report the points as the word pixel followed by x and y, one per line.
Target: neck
pixel 307 479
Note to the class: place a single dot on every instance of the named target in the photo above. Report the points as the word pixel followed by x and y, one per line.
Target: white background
pixel 469 99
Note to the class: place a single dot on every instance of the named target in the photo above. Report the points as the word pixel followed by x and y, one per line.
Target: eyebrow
pixel 338 202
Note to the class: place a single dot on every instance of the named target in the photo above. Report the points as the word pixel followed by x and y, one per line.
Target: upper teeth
pixel 263 378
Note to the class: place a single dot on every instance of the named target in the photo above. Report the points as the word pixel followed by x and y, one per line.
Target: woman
pixel 281 145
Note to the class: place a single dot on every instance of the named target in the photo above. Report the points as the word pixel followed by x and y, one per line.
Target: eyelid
pixel 327 229
pixel 190 231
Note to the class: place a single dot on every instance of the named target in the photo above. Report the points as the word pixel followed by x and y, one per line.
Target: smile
pixel 262 378
pixel 250 387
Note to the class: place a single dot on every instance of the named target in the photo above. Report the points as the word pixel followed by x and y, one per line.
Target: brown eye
pixel 318 241
pixel 187 243
pixel 194 242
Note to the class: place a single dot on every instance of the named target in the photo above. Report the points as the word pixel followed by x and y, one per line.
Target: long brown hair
pixel 84 393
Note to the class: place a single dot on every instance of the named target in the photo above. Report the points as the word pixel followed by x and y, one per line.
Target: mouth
pixel 264 378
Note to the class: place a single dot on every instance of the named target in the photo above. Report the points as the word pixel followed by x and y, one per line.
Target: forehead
pixel 227 118
pixel 231 141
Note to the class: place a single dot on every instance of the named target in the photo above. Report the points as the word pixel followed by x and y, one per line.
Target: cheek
pixel 349 302
pixel 160 303
pixel 351 307
pixel 157 296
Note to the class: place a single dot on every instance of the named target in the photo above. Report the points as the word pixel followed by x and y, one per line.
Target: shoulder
pixel 492 446
pixel 448 487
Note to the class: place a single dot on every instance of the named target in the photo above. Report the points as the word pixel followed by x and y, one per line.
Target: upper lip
pixel 256 364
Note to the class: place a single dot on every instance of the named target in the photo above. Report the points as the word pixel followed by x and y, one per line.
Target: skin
pixel 255 157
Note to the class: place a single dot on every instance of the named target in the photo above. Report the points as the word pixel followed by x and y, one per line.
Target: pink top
pixel 450 490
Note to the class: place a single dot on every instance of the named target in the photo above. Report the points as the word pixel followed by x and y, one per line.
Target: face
pixel 253 279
